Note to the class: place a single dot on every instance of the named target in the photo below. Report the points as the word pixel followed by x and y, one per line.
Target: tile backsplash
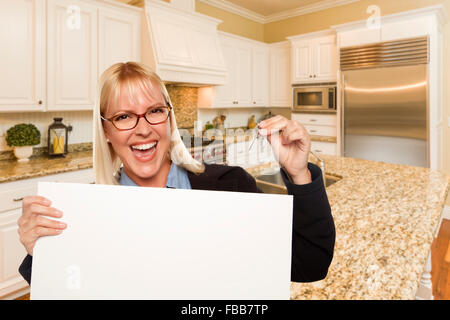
pixel 184 101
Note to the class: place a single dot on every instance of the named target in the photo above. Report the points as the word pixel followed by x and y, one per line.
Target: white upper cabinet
pixel 225 95
pixel 314 58
pixel 22 37
pixel 54 51
pixel 72 55
pixel 280 76
pixel 243 80
pixel 247 82
pixel 118 37
pixel 260 73
pixel 303 62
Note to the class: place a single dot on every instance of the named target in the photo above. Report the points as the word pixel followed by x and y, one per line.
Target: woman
pixel 137 143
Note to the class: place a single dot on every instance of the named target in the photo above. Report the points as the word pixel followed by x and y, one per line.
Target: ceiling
pixel 270 7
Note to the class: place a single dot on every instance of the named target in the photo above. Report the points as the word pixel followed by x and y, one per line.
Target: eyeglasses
pixel 129 120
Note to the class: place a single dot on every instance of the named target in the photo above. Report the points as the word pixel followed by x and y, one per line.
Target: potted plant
pixel 23 137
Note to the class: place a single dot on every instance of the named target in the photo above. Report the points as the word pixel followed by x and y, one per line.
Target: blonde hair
pixel 136 77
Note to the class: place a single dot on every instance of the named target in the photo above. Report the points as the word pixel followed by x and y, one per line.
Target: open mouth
pixel 144 151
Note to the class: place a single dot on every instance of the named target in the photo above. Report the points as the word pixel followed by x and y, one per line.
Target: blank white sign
pixel 158 243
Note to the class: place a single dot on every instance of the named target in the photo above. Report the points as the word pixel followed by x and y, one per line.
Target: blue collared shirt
pixel 177 178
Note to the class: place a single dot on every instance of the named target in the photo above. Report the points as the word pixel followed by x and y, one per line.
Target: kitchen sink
pixel 273 183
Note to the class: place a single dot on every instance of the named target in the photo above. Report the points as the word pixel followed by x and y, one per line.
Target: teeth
pixel 144 146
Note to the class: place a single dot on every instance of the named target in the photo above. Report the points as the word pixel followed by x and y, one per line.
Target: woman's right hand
pixel 34 224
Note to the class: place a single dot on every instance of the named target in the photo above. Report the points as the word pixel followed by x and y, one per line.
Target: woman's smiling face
pixel 144 149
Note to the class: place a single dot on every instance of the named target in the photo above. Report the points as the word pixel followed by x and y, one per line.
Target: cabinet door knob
pixel 40 102
pixel 254 102
pixel 315 76
pixel 310 76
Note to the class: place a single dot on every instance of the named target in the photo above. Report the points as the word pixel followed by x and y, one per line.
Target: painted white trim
pixel 251 15
pixel 312 35
pixel 119 5
pixel 323 5
pixel 149 4
pixel 233 8
pixel 446 213
pixel 439 10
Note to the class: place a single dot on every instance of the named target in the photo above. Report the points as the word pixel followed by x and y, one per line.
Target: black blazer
pixel 313 233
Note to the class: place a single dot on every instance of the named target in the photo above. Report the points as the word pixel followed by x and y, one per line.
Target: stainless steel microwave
pixel 315 98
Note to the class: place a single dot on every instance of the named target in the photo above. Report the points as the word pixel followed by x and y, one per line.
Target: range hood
pixel 181 45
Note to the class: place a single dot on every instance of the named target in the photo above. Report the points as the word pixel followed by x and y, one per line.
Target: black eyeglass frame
pixel 139 116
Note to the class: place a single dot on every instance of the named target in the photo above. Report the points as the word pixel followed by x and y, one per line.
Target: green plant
pixel 23 135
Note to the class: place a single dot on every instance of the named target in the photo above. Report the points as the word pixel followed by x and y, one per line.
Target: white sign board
pixel 158 243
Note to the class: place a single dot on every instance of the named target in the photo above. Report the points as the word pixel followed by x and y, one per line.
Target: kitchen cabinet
pixel 319 125
pixel 55 50
pixel 314 58
pixel 22 36
pixel 240 153
pixel 279 75
pixel 72 55
pixel 118 37
pixel 260 74
pixel 12 252
pixel 327 148
pixel 247 83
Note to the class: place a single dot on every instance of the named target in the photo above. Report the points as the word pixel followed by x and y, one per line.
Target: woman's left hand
pixel 291 144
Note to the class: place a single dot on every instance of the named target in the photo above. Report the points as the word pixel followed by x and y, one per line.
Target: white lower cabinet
pixel 12 252
pixel 324 125
pixel 328 148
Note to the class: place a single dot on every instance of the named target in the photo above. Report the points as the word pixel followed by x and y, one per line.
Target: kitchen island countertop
pixel 386 218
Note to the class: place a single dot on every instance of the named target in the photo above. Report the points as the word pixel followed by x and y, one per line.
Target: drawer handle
pixel 313 120
pixel 18 199
pixel 318 151
pixel 313 130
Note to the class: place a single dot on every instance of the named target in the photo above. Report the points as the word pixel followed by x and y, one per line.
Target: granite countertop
pixel 386 216
pixel 42 165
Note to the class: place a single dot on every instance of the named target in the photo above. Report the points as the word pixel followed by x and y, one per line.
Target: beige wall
pixel 279 30
pixel 233 23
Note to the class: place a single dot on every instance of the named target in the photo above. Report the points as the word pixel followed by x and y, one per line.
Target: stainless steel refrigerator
pixel 385 102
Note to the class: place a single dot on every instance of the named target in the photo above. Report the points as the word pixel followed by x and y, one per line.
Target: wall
pixel 232 23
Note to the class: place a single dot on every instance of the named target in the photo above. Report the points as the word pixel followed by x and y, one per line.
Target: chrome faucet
pixel 321 164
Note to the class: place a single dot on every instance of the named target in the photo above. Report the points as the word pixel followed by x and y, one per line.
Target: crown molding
pixel 438 10
pixel 322 5
pixel 251 15
pixel 233 8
